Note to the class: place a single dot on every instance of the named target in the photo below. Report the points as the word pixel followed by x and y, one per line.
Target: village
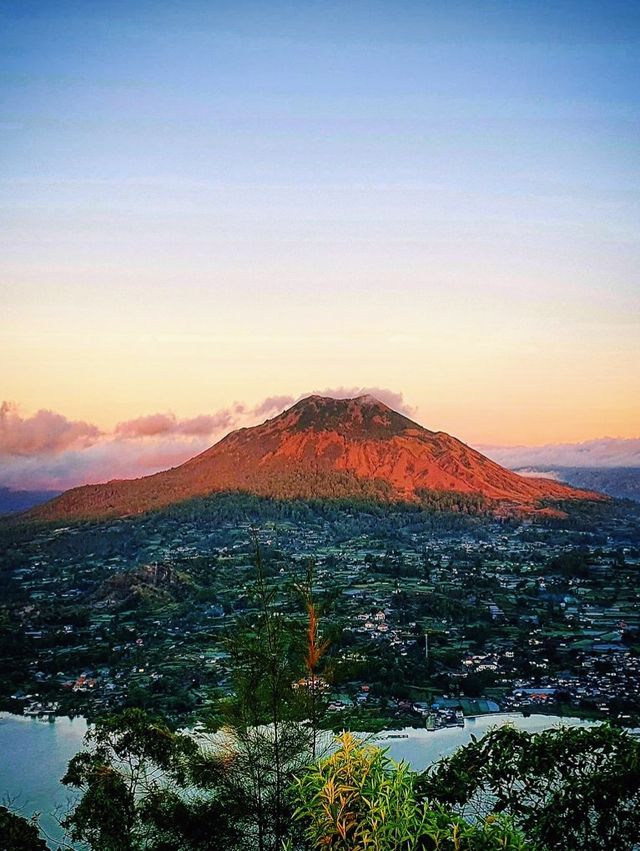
pixel 424 628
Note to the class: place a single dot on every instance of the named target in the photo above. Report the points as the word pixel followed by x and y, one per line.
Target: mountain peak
pixel 368 399
pixel 341 401
pixel 359 418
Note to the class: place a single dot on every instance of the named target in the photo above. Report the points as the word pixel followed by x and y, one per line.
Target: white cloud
pixel 602 452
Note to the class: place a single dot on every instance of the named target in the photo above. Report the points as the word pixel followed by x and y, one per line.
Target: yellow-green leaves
pixel 358 799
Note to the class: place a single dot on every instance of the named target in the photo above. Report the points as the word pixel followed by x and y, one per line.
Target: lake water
pixel 423 747
pixel 34 755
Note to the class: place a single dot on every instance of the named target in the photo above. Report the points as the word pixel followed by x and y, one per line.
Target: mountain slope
pixel 319 448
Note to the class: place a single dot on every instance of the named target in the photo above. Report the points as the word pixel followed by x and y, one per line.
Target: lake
pixel 34 755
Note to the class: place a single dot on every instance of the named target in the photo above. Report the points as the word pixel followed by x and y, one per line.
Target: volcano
pixel 322 448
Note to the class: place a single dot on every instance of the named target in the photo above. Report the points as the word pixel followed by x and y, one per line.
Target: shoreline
pixel 52 716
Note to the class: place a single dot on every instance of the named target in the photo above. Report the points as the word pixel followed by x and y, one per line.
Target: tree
pixel 19 834
pixel 142 788
pixel 264 735
pixel 315 649
pixel 568 789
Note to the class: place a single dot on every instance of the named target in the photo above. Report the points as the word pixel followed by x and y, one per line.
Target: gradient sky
pixel 203 202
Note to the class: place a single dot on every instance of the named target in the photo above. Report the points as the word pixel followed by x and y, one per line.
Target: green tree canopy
pixel 142 789
pixel 567 788
pixel 19 834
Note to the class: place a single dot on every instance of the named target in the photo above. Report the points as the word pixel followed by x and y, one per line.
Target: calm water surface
pixel 423 747
pixel 33 757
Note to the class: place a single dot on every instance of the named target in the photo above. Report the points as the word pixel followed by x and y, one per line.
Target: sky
pixel 206 205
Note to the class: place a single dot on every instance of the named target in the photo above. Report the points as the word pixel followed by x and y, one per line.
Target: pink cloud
pixel 45 431
pixel 154 425
pixel 207 423
pixel 273 404
pixel 150 425
pixel 106 460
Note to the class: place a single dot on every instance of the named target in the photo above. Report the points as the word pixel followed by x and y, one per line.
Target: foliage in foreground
pixel 142 789
pixel 146 788
pixel 358 798
pixel 566 788
pixel 18 834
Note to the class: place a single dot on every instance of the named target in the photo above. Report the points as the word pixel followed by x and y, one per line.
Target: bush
pixel 358 798
pixel 567 789
pixel 18 834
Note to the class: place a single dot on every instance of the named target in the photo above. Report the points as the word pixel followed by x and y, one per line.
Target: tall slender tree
pixel 314 653
pixel 263 740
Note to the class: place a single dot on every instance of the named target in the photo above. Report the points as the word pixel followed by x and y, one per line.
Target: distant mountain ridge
pixel 617 482
pixel 20 500
pixel 320 448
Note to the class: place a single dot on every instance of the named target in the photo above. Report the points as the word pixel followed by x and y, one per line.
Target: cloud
pixel 49 451
pixel 149 426
pixel 391 398
pixel 602 452
pixel 273 404
pixel 154 425
pixel 109 459
pixel 45 431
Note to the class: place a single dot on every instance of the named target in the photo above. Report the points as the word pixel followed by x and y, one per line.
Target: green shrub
pixel 567 789
pixel 358 799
